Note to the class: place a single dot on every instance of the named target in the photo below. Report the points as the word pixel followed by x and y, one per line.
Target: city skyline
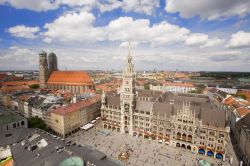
pixel 93 34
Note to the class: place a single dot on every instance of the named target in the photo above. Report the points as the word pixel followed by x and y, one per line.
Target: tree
pixel 34 86
pixel 241 96
pixel 36 122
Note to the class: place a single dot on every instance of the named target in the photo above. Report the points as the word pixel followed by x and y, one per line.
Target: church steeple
pixel 129 69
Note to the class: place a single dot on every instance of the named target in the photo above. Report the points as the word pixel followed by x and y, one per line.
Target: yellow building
pixel 65 120
pixel 68 119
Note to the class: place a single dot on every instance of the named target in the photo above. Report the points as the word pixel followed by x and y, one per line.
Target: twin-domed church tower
pixel 46 67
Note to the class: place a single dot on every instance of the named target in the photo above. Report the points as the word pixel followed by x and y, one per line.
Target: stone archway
pixel 201 151
pixel 105 126
pixel 183 146
pixel 178 136
pixel 109 127
pixel 118 129
pixel 219 156
pixel 189 138
pixel 178 145
pixel 113 128
pixel 210 153
pixel 135 134
pixel 184 136
pixel 146 137
pixel 189 147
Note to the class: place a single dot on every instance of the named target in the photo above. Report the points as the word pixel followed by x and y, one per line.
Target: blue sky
pixel 93 34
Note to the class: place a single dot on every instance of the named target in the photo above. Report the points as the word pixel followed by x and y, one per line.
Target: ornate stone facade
pixel 182 120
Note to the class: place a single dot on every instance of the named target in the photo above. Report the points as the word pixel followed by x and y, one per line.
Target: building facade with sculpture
pixel 190 121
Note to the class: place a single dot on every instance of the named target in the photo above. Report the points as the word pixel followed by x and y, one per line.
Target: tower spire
pixel 129 69
pixel 129 48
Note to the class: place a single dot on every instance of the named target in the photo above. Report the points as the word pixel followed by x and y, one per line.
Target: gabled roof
pixel 69 78
pixel 242 111
pixel 76 106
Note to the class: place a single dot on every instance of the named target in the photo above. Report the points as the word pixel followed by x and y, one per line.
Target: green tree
pixel 34 86
pixel 36 122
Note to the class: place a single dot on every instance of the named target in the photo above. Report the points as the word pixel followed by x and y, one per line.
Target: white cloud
pixel 212 42
pixel 196 39
pixel 126 45
pixel 73 3
pixel 18 58
pixel 23 31
pixel 73 27
pixel 79 27
pixel 138 6
pixel 35 5
pixel 239 40
pixel 208 9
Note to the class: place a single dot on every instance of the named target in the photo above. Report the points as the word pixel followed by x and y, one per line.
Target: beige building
pixel 182 120
pixel 64 122
pixel 68 119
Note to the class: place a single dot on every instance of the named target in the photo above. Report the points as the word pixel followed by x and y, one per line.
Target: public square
pixel 142 152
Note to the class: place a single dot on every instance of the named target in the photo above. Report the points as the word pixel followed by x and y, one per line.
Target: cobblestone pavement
pixel 143 152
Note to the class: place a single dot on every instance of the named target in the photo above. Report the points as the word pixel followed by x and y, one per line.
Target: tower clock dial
pixel 126 106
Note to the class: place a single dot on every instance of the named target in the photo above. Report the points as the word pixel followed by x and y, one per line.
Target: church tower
pixel 128 96
pixel 43 69
pixel 52 64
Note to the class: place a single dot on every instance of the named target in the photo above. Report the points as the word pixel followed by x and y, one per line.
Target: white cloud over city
pixel 77 38
pixel 208 9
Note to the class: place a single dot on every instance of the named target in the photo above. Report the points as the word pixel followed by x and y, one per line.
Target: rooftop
pixel 76 106
pixel 46 153
pixel 70 78
pixel 7 116
pixel 243 111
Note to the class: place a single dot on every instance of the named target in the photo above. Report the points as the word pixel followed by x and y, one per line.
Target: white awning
pixel 93 121
pixel 87 126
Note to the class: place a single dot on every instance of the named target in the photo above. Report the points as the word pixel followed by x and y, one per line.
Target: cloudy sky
pixel 189 35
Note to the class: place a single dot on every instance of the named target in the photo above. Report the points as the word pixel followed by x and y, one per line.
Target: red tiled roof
pixel 24 97
pixel 16 83
pixel 76 106
pixel 243 111
pixel 229 101
pixel 245 92
pixel 3 75
pixel 8 89
pixel 69 78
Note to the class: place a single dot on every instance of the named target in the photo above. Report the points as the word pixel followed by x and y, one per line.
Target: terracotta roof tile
pixel 243 111
pixel 76 106
pixel 16 83
pixel 69 78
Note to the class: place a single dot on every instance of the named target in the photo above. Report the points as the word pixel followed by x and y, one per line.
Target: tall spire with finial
pixel 129 69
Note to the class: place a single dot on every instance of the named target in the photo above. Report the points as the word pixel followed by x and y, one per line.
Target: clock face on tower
pixel 126 106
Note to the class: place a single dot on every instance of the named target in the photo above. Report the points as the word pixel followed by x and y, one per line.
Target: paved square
pixel 142 152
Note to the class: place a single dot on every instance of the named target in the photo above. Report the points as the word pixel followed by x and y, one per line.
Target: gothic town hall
pixel 190 121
